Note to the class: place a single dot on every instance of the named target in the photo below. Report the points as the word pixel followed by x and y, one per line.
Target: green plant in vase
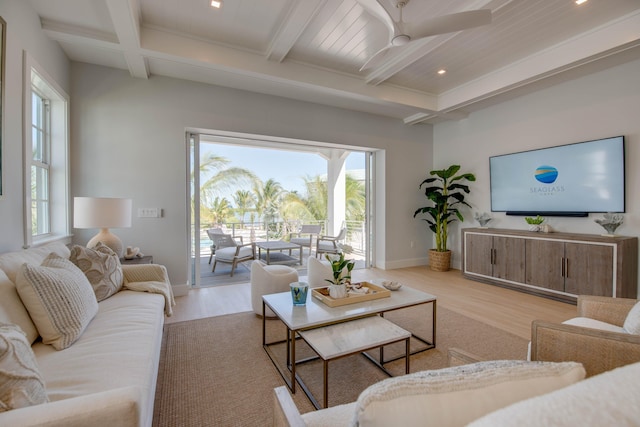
pixel 535 223
pixel 445 192
pixel 341 270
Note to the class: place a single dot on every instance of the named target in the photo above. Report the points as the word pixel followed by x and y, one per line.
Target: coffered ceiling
pixel 313 50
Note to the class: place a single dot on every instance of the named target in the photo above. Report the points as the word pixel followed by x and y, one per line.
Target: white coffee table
pixel 316 314
pixel 347 338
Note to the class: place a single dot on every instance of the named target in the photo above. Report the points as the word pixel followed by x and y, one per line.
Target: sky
pixel 286 167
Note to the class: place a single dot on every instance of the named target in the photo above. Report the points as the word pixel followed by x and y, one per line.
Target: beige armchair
pixel 228 250
pixel 595 338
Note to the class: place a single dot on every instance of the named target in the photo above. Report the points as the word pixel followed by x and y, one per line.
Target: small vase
pixel 338 291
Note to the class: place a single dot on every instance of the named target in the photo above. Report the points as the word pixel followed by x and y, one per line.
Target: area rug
pixel 214 371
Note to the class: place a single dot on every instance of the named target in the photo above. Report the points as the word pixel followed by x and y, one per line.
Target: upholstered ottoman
pixel 269 279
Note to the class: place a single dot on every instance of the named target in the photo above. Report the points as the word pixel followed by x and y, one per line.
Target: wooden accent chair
pixel 330 244
pixel 230 251
pixel 596 338
pixel 304 237
pixel 210 233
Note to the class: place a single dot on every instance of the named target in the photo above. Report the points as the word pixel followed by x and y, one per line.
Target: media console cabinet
pixel 554 265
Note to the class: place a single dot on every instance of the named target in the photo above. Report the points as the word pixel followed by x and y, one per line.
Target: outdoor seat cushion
pixel 227 254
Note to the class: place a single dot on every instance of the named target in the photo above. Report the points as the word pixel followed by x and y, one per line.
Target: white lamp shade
pixel 101 212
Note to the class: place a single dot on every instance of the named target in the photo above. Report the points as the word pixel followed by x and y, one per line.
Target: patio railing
pixel 279 230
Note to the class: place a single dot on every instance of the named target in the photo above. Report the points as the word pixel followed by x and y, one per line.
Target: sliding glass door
pixel 265 189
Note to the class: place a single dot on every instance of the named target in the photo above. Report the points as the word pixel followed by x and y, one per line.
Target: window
pixel 40 147
pixel 46 147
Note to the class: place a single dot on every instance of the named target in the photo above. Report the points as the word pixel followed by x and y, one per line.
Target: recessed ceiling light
pixel 579 2
pixel 441 72
pixel 216 3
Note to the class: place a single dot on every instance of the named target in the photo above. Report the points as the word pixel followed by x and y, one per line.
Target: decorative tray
pixel 375 292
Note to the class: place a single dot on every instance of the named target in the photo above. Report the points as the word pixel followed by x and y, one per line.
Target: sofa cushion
pixel 458 395
pixel 12 310
pixel 632 322
pixel 587 322
pixel 228 254
pixel 102 267
pixel 11 262
pixel 120 348
pixel 21 384
pixel 608 399
pixel 59 299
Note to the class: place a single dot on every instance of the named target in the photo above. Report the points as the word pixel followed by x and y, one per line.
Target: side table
pixel 147 259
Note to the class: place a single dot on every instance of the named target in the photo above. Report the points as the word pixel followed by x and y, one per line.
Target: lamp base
pixel 109 239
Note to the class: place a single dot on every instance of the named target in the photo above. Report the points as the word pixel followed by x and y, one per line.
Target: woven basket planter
pixel 439 261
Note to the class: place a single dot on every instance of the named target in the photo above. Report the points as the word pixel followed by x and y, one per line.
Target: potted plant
pixel 535 223
pixel 446 192
pixel 341 269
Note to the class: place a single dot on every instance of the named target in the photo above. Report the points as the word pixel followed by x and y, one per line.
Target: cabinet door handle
pixel 562 266
pixel 566 267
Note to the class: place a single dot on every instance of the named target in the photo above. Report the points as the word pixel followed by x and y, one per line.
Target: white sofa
pixel 107 377
pixel 484 394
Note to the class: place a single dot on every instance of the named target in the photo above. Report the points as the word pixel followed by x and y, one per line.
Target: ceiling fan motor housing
pixel 400 40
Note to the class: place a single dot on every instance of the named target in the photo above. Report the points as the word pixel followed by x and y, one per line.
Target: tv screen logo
pixel 546 174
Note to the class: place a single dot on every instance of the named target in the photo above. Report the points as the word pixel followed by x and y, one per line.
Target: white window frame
pixel 37 79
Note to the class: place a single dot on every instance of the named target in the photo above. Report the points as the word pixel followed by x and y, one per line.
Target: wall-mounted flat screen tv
pixel 567 180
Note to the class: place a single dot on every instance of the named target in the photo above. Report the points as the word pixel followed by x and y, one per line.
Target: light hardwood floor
pixel 509 310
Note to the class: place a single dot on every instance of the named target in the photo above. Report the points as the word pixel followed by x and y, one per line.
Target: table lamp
pixel 103 213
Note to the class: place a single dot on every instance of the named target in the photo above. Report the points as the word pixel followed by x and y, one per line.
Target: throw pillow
pixel 458 395
pixel 59 298
pixel 102 267
pixel 632 322
pixel 21 384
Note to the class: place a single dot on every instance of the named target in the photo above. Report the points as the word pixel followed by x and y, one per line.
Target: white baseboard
pixel 181 290
pixel 403 263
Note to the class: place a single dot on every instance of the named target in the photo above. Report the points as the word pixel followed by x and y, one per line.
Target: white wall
pixel 23 34
pixel 603 104
pixel 128 139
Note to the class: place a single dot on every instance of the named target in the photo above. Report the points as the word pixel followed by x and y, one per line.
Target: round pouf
pixel 269 279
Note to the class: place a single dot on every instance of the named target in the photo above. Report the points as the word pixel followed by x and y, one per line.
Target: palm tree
pixel 220 210
pixel 268 199
pixel 218 177
pixel 244 201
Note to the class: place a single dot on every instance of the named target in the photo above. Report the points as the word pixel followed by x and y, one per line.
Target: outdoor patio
pixel 242 274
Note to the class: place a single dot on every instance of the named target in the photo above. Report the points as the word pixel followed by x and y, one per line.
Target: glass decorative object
pixel 483 219
pixel 610 222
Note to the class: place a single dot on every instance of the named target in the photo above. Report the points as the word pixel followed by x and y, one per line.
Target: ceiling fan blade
pixel 376 58
pixel 452 23
pixel 375 8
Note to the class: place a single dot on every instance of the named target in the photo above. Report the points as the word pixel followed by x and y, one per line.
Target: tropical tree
pixel 244 201
pixel 220 210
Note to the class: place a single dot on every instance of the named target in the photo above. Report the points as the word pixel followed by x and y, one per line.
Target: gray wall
pixel 599 105
pixel 23 34
pixel 128 140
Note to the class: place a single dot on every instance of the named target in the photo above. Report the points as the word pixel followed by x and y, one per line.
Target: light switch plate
pixel 149 213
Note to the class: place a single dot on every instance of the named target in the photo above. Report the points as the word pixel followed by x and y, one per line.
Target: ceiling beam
pixel 292 27
pixel 125 15
pixel 614 37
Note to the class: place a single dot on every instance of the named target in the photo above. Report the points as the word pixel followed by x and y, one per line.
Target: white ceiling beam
pixel 294 24
pixel 611 38
pixel 125 15
pixel 74 34
pixel 217 58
